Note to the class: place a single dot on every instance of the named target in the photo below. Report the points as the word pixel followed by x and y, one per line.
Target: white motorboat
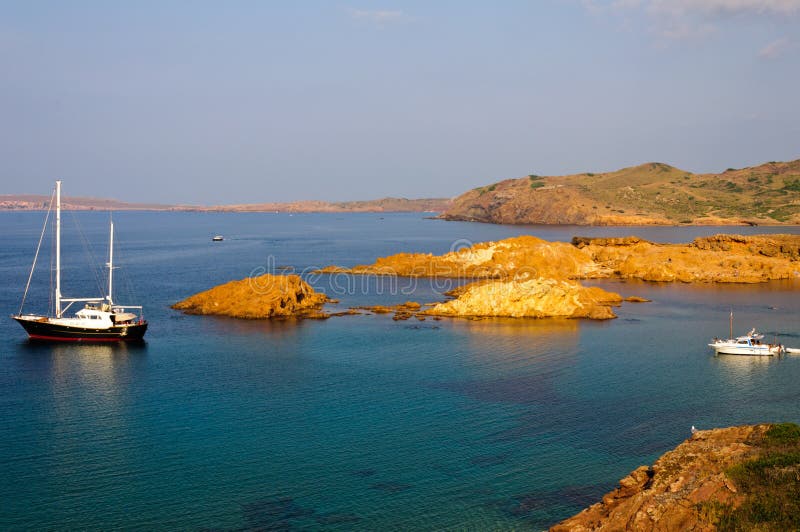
pixel 749 344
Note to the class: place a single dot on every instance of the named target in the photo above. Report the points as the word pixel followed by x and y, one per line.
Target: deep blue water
pixel 357 422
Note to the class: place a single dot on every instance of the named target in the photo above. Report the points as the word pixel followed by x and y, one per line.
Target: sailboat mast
pixel 110 260
pixel 731 336
pixel 58 249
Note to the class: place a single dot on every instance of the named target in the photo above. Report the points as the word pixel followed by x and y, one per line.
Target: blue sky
pixel 233 102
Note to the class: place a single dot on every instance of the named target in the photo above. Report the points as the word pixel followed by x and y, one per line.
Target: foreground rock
pixel 266 296
pixel 530 298
pixel 740 478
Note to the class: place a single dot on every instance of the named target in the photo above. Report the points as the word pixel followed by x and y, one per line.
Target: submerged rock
pixel 266 296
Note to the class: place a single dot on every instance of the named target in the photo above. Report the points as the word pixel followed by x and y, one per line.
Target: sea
pixel 355 422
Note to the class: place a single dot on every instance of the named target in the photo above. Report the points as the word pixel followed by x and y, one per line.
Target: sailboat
pixel 100 320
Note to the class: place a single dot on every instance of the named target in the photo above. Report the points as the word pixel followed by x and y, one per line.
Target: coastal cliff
pixel 262 297
pixel 648 194
pixel 737 478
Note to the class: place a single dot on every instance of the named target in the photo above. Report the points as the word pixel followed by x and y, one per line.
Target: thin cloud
pixel 775 48
pixel 379 17
pixel 706 7
pixel 682 19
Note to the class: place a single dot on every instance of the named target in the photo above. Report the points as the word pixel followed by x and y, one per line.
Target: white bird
pixel 694 429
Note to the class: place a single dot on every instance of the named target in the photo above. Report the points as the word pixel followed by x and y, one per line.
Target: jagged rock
pixel 266 296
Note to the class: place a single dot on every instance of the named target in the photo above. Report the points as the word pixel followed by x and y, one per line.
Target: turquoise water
pixel 357 422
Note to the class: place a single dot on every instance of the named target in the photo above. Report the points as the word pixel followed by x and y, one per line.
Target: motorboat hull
pixel 43 329
pixel 754 350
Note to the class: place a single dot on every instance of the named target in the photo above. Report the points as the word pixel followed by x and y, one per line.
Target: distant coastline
pixel 33 202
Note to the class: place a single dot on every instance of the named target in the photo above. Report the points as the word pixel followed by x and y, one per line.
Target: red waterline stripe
pixel 69 339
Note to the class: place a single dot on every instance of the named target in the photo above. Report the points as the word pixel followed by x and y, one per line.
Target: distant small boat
pixel 217 238
pixel 792 350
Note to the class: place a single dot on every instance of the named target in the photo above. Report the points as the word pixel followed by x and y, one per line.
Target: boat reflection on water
pixel 98 362
pixel 87 383
pixel 741 370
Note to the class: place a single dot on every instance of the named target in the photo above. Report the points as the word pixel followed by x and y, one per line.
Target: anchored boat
pixel 748 344
pixel 99 320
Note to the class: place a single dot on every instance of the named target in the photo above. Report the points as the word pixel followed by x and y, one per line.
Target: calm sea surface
pixel 357 422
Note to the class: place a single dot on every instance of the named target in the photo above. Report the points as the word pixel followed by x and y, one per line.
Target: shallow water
pixel 357 422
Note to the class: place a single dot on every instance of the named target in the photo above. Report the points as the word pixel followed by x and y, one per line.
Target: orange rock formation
pixel 532 298
pixel 719 258
pixel 716 259
pixel 266 296
pixel 526 276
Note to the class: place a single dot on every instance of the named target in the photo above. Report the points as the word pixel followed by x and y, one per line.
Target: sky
pixel 256 101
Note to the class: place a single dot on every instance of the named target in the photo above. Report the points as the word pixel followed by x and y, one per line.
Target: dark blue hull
pixel 44 330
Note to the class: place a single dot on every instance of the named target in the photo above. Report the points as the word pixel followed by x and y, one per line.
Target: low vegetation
pixel 651 193
pixel 770 484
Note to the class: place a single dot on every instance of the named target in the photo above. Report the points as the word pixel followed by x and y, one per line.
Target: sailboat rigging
pixel 100 320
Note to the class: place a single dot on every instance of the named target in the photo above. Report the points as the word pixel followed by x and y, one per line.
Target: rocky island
pixel 737 478
pixel 263 297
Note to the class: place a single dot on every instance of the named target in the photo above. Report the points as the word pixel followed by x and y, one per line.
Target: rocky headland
pixel 737 478
pixel 648 194
pixel 262 297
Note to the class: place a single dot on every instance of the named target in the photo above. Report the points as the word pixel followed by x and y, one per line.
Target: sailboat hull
pixel 42 329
